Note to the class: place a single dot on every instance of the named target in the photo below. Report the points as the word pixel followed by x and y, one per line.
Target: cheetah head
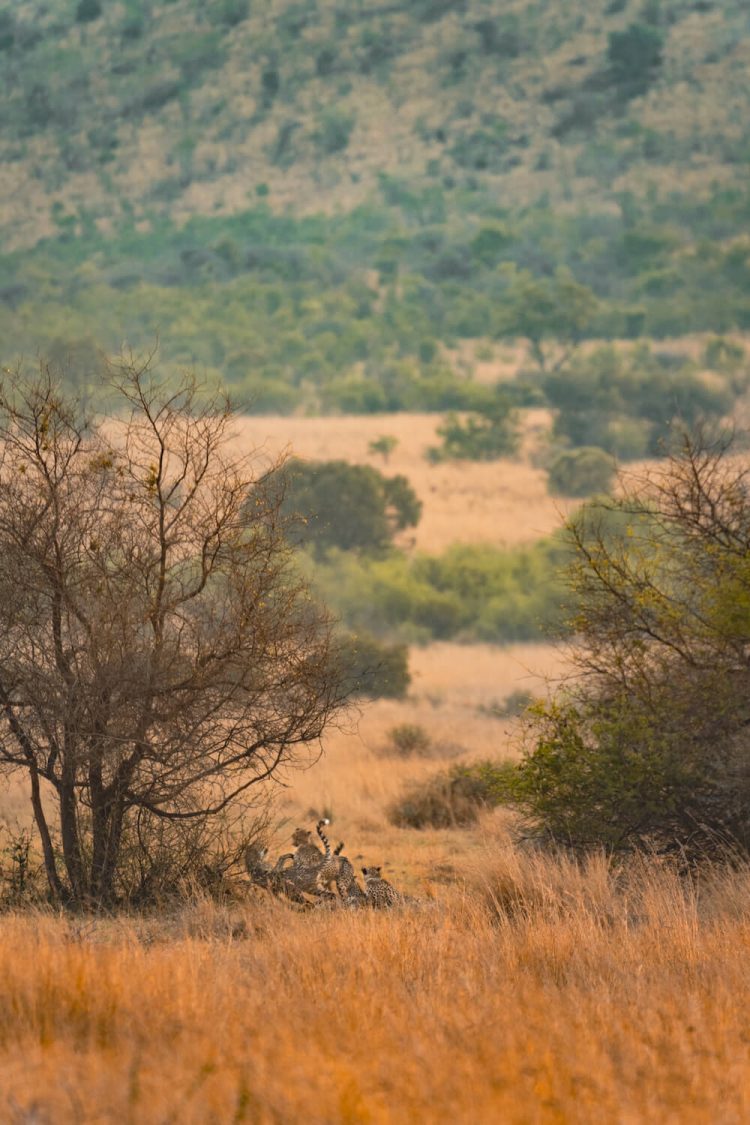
pixel 302 836
pixel 371 872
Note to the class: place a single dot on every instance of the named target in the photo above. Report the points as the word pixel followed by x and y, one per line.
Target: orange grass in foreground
pixel 536 992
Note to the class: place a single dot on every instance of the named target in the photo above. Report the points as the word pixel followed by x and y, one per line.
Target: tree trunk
pixel 50 865
pixel 70 841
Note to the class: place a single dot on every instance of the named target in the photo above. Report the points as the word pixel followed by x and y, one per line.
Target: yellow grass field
pixel 529 992
pixel 503 502
pixel 518 988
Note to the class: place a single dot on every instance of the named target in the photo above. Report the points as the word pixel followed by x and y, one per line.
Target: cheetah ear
pixel 378 870
pixel 364 870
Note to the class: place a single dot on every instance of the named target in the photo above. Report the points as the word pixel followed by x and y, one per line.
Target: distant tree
pixel 484 435
pixel 334 129
pixel 553 314
pixel 384 445
pixel 158 657
pixel 634 56
pixel 352 507
pixel 649 745
pixel 88 10
pixel 581 472
pixel 373 668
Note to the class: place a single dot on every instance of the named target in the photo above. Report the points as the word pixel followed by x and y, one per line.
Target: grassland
pixel 504 502
pixel 531 993
pixel 520 988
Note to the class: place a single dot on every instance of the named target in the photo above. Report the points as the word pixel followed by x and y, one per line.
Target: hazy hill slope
pixel 314 200
pixel 192 107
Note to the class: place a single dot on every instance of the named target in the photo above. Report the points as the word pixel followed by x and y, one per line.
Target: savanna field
pixel 474 277
pixel 519 986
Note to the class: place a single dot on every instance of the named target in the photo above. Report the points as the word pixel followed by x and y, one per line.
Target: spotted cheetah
pixel 307 854
pixel 378 891
pixel 337 870
pixel 277 878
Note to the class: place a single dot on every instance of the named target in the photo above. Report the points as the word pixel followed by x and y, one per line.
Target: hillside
pixel 191 108
pixel 298 196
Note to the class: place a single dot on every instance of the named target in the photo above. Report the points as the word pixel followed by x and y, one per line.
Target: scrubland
pixel 520 987
pixel 503 502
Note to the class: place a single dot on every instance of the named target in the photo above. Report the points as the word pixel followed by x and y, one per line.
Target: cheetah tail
pixel 324 838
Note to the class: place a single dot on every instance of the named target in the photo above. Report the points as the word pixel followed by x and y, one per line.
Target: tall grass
pixel 534 991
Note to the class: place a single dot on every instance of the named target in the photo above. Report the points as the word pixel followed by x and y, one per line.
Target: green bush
pixel 88 10
pixel 454 799
pixel 634 56
pixel 471 592
pixel 229 12
pixel 409 739
pixel 479 437
pixel 351 507
pixel 649 747
pixel 581 472
pixel 373 669
pixel 334 129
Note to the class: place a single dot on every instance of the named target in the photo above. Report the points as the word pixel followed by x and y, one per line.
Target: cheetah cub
pixel 337 870
pixel 307 854
pixel 378 891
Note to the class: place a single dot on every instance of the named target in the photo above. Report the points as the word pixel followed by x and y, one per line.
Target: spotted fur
pixel 378 891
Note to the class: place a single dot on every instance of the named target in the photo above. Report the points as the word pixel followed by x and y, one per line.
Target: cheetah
pixel 378 891
pixel 308 854
pixel 337 869
pixel 275 879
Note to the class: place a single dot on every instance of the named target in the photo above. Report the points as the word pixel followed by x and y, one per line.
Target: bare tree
pixel 159 657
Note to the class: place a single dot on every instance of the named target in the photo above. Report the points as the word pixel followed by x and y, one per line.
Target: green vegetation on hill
pixel 312 201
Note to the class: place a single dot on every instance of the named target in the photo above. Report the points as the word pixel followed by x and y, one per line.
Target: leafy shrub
pixel 408 739
pixel 352 507
pixel 479 437
pixel 384 445
pixel 581 472
pixel 334 129
pixel 229 12
pixel 471 592
pixel 514 704
pixel 454 799
pixel 7 31
pixel 649 746
pixel 634 56
pixel 88 10
pixel 373 669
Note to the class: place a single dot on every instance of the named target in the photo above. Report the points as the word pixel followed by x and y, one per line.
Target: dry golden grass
pixel 503 502
pixel 534 993
pixel 454 690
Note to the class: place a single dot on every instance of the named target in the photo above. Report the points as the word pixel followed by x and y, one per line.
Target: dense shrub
pixel 471 592
pixel 454 799
pixel 649 746
pixel 581 472
pixel 88 10
pixel 484 436
pixel 408 739
pixel 634 56
pixel 373 669
pixel 352 507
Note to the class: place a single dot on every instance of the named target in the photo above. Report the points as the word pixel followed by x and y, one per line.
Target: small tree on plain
pixel 581 472
pixel 352 507
pixel 384 445
pixel 158 658
pixel 650 744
